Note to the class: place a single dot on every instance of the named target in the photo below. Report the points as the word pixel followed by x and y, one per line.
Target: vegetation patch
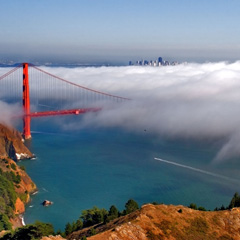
pixel 195 207
pixel 13 166
pixel 30 232
pixel 24 196
pixel 96 216
pixel 8 195
pixel 4 223
pixel 198 229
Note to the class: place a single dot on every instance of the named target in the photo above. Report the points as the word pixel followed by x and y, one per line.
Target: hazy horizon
pixel 116 32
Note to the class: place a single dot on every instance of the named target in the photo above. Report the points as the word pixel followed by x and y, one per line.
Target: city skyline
pixel 106 31
pixel 157 62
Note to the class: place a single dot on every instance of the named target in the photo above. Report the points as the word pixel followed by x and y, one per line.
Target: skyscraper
pixel 160 60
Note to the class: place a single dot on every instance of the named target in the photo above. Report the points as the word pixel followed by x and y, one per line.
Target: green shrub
pixel 23 197
pixel 31 232
pixel 93 231
pixel 11 176
pixel 23 168
pixel 13 166
pixel 4 222
pixel 202 209
pixel 5 160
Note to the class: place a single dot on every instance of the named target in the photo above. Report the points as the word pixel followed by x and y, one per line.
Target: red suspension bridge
pixel 50 94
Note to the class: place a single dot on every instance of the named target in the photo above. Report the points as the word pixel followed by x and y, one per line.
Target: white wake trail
pixel 197 170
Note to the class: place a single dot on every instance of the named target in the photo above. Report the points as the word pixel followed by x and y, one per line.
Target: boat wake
pixel 197 170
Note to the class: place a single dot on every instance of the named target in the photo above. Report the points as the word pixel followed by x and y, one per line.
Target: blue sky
pixel 118 31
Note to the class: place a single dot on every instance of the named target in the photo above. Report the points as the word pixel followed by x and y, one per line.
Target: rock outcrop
pixel 169 222
pixel 11 144
pixel 53 238
pixel 46 203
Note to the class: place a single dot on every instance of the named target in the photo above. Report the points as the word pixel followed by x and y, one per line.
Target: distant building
pixel 160 60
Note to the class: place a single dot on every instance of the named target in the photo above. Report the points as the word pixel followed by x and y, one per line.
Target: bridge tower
pixel 26 103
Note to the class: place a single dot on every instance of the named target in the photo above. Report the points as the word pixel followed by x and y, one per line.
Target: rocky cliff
pixel 169 222
pixel 11 144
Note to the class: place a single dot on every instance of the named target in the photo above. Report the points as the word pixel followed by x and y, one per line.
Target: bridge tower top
pixel 26 103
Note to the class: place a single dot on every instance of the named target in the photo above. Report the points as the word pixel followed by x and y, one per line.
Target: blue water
pixel 77 169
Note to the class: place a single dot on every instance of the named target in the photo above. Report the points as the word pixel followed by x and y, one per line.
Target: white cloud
pixel 9 113
pixel 195 101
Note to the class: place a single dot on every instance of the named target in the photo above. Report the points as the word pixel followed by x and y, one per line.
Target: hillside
pixel 15 185
pixel 170 222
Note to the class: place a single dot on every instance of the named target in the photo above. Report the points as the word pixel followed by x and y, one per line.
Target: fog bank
pixel 194 101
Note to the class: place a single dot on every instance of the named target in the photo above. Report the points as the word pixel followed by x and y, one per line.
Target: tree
pixel 44 229
pixel 131 206
pixel 93 216
pixel 113 211
pixel 79 224
pixel 235 202
pixel 201 208
pixel 222 208
pixel 112 214
pixel 193 206
pixel 68 228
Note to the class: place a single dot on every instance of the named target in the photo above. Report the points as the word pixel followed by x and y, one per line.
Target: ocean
pixel 79 169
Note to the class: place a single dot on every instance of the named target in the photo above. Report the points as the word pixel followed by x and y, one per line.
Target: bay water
pixel 81 168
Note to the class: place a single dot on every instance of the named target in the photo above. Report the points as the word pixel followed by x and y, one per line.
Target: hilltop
pixel 168 222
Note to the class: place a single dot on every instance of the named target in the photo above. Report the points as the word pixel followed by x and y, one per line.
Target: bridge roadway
pixel 62 112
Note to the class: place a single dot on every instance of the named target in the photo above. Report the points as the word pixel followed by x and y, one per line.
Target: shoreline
pixel 22 220
pixel 17 222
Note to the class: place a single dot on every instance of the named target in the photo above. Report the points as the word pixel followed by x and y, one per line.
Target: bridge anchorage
pixel 60 96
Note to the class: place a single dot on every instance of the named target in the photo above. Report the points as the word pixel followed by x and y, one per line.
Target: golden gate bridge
pixel 39 89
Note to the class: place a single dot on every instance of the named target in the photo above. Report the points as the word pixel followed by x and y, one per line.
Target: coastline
pixel 22 219
pixel 18 221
